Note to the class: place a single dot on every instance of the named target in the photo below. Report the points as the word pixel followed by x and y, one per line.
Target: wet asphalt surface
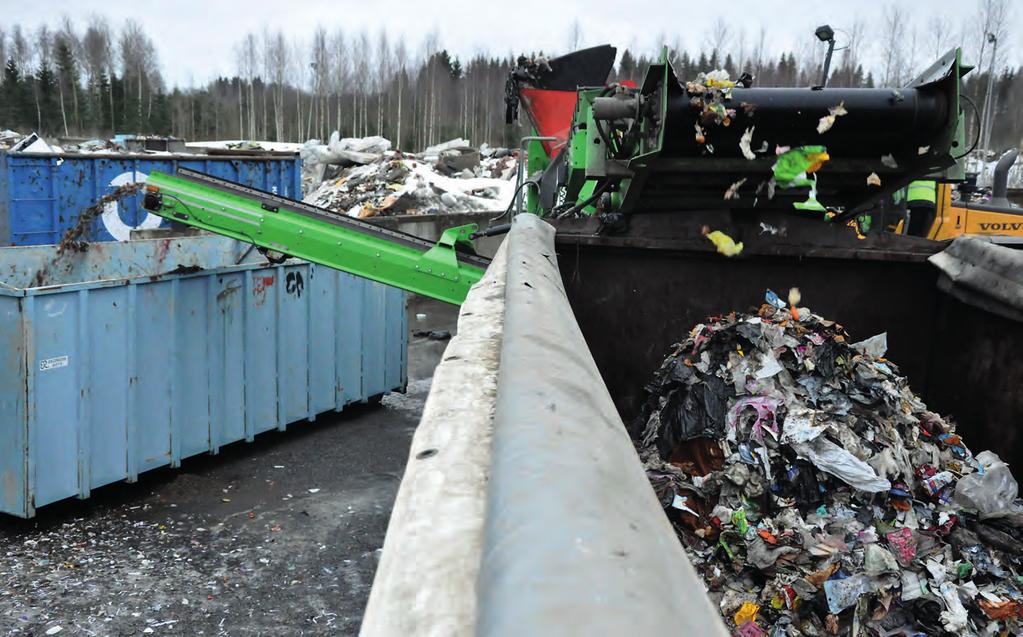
pixel 278 537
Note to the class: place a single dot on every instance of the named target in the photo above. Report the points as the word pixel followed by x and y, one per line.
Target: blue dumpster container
pixel 135 355
pixel 42 194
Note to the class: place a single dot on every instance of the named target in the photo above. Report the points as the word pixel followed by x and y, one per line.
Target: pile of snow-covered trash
pixel 244 145
pixel 9 138
pixel 14 142
pixel 363 177
pixel 816 494
pixel 985 171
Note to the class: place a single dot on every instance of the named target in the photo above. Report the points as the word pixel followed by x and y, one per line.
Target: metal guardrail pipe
pixel 524 509
pixel 426 581
pixel 575 542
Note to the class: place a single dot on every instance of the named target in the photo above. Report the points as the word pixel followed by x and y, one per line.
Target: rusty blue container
pixel 42 194
pixel 136 355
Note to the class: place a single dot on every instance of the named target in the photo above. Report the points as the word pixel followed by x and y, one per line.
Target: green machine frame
pixel 283 227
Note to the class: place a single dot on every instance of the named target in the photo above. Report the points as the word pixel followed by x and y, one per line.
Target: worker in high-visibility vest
pixel 921 199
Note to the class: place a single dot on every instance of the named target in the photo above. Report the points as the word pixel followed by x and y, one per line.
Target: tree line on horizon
pixel 73 82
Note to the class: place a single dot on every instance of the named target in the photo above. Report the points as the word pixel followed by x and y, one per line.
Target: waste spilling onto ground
pixel 816 494
pixel 363 177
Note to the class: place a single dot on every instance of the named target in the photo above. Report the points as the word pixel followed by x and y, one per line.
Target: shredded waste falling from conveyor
pixel 816 494
pixel 76 238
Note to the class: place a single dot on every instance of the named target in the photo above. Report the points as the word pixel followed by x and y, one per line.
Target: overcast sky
pixel 195 38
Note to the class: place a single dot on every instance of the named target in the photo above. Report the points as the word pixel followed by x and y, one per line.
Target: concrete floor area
pixel 278 537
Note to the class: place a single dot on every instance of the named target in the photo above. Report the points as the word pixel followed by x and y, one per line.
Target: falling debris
pixel 77 237
pixel 709 94
pixel 873 180
pixel 744 143
pixel 794 298
pixel 733 190
pixel 701 137
pixel 889 161
pixel 791 170
pixel 793 165
pixel 826 122
pixel 923 150
pixel 724 244
pixel 822 496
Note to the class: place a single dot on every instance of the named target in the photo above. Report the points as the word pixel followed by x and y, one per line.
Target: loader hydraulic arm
pixel 444 270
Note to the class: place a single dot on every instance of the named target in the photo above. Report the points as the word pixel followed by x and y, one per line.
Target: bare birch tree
pixel 893 35
pixel 275 70
pixel 342 65
pixel 384 72
pixel 400 61
pixel 575 35
pixel 321 68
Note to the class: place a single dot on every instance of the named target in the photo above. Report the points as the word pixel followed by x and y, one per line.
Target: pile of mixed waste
pixel 816 494
pixel 363 177
pixel 984 168
pixel 9 138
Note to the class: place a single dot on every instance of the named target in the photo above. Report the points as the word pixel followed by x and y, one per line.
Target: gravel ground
pixel 278 537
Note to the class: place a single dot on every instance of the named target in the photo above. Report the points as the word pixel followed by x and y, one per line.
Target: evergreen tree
pixel 67 76
pixel 161 123
pixel 15 104
pixel 103 117
pixel 48 104
pixel 627 67
pixel 115 101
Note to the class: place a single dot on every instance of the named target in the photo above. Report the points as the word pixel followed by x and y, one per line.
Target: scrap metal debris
pixel 826 122
pixel 889 161
pixel 822 496
pixel 873 179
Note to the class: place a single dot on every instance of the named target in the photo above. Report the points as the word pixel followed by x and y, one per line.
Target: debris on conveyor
pixel 364 178
pixel 816 494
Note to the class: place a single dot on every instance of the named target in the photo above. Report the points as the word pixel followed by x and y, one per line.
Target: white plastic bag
pixel 830 458
pixel 993 492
